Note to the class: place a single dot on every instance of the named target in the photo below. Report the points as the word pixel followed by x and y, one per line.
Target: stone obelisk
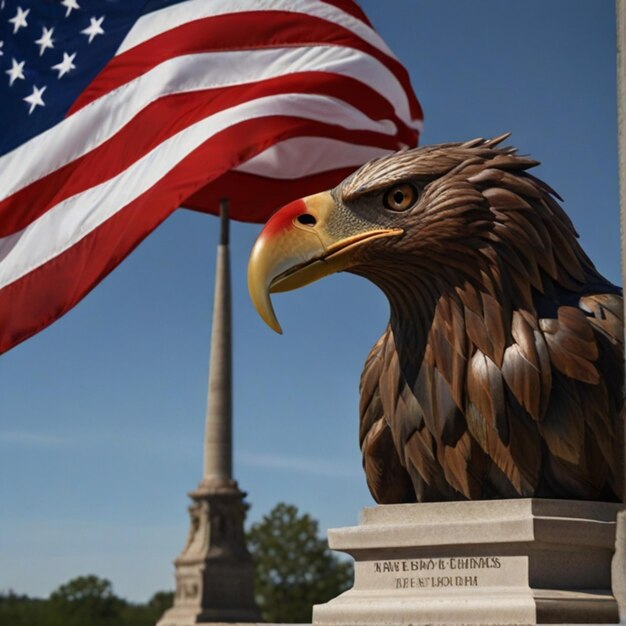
pixel 215 572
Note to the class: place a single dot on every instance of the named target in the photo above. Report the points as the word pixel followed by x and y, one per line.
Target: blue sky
pixel 102 414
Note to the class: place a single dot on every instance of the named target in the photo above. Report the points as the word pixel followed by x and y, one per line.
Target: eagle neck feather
pixel 458 300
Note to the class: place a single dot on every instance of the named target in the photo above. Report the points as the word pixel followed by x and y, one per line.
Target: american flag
pixel 116 112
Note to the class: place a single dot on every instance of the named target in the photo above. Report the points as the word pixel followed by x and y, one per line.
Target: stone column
pixel 620 6
pixel 619 559
pixel 218 465
pixel 621 121
pixel 215 572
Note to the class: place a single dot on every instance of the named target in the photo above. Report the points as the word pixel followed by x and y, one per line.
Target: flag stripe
pixel 247 31
pixel 93 125
pixel 304 156
pixel 157 22
pixel 350 7
pixel 236 186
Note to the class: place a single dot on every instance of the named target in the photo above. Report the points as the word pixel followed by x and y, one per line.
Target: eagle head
pixel 425 217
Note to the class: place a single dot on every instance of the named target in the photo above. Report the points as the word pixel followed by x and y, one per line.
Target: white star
pixel 70 5
pixel 94 28
pixel 45 41
pixel 1 46
pixel 16 71
pixel 2 3
pixel 35 98
pixel 19 21
pixel 66 65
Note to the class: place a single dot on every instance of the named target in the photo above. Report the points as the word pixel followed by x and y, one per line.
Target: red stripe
pixel 171 114
pixel 241 31
pixel 36 300
pixel 270 194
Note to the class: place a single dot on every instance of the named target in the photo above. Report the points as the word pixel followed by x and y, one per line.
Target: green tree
pixel 83 601
pixel 147 614
pixel 87 600
pixel 24 611
pixel 294 567
pixel 161 601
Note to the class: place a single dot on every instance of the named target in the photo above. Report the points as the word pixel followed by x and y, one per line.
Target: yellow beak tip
pixel 275 326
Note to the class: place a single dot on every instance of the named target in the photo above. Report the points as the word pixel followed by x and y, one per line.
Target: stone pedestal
pixel 214 572
pixel 526 561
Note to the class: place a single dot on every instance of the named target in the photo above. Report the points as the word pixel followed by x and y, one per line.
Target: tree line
pixel 82 601
pixel 294 570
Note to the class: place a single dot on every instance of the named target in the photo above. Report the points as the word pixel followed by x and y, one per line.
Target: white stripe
pixel 94 124
pixel 302 156
pixel 157 22
pixel 69 221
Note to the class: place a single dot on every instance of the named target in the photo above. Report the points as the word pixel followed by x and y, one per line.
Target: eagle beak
pixel 301 243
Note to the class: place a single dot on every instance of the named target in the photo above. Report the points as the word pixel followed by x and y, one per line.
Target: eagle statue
pixel 500 374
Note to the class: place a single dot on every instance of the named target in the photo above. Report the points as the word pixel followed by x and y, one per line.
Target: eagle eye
pixel 400 197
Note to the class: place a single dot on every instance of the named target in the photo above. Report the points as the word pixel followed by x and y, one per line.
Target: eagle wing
pixel 533 413
pixel 387 477
pixel 484 444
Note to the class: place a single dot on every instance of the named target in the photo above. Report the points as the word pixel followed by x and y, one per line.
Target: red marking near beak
pixel 283 218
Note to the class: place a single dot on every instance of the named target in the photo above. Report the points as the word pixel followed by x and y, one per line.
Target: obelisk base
pixel 526 561
pixel 215 572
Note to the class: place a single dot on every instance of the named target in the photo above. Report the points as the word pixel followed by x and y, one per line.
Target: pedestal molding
pixel 505 562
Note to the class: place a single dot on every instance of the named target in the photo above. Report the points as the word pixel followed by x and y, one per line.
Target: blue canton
pixel 50 50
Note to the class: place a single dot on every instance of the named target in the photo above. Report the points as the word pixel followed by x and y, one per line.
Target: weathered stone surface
pixel 214 572
pixel 524 561
pixel 618 570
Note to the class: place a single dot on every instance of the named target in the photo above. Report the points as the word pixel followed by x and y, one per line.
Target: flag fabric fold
pixel 116 113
